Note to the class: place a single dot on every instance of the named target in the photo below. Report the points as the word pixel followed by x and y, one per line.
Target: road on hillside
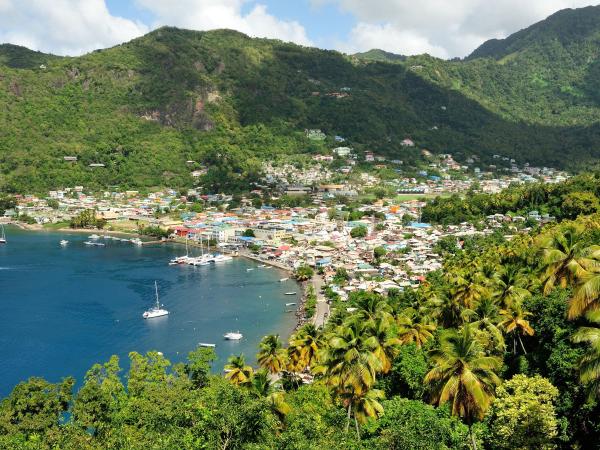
pixel 322 310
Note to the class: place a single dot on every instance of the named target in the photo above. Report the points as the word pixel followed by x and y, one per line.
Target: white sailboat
pixel 181 259
pixel 156 311
pixel 2 235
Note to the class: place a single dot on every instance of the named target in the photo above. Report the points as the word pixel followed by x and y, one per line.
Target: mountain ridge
pixel 145 107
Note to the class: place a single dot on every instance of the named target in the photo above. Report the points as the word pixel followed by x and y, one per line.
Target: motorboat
pixel 249 270
pixel 137 241
pixel 290 304
pixel 2 235
pixel 64 243
pixel 233 336
pixel 290 293
pixel 221 258
pixel 94 236
pixel 156 311
pixel 205 345
pixel 283 279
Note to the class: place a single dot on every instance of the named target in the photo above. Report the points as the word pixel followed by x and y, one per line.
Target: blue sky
pixel 326 24
pixel 442 28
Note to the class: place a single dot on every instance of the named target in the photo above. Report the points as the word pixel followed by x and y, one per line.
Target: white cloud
pixel 440 27
pixel 366 36
pixel 64 27
pixel 211 14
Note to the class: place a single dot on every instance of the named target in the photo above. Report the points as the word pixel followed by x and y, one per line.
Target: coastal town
pixel 380 244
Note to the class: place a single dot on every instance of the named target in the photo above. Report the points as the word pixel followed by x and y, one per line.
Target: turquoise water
pixel 65 309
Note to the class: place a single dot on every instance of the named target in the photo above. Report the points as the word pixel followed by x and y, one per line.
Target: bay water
pixel 66 308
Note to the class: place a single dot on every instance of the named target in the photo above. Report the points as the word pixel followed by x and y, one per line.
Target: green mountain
pixel 19 57
pixel 145 108
pixel 379 55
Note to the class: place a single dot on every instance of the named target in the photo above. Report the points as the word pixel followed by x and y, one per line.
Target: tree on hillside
pixel 359 232
pixel 589 365
pixel 303 273
pixel 523 415
pixel 271 355
pixel 463 376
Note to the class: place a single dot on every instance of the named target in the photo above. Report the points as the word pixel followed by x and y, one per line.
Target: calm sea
pixel 66 308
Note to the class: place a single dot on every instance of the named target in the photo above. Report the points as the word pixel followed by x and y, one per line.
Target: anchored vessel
pixel 233 336
pixel 157 311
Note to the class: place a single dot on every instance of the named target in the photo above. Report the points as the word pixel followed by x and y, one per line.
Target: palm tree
pixel 385 346
pixel 271 355
pixel 468 286
pixel 510 285
pixel 263 386
pixel 303 273
pixel 448 311
pixel 586 297
pixel 371 306
pixel 463 375
pixel 589 365
pixel 484 319
pixel 362 406
pixel 514 321
pixel 563 256
pixel 412 328
pixel 349 361
pixel 304 347
pixel 237 370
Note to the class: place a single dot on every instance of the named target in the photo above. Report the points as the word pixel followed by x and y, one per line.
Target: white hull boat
pixel 157 310
pixel 233 336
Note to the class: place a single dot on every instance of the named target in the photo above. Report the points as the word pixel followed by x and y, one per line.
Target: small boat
pixel 290 304
pixel 94 236
pixel 156 311
pixel 2 235
pixel 233 336
pixel 64 243
pixel 283 279
pixel 249 270
pixel 262 265
pixel 290 293
pixel 136 241
pixel 95 244
pixel 221 258
pixel 204 344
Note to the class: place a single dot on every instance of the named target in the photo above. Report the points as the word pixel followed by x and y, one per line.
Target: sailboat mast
pixel 156 289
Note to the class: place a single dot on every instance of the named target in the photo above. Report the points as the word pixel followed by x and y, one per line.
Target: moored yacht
pixel 156 311
pixel 221 258
pixel 233 336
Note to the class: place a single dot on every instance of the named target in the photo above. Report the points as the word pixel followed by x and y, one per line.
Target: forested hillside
pixel 222 99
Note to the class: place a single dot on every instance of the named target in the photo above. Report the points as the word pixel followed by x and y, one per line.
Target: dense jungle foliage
pixel 497 350
pixel 222 100
pixel 578 195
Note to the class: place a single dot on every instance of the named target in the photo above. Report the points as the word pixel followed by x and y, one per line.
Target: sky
pixel 442 28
